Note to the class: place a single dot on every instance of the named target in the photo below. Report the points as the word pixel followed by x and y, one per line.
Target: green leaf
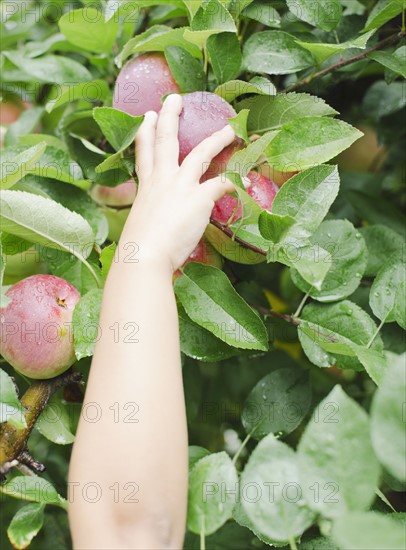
pixel 95 90
pixel 262 12
pixel 312 264
pixel 11 409
pixel 387 420
pixel 212 485
pixel 388 294
pixel 383 99
pixel 321 14
pixel 239 125
pixel 73 270
pixel 360 530
pixel 107 258
pixel 54 422
pixel 87 29
pixel 349 259
pixel 395 61
pixel 72 198
pixel 86 323
pixel 306 198
pixel 12 171
pixel 131 8
pixel 50 68
pixel 200 344
pixel 211 301
pixel 186 69
pixel 44 221
pixel 340 323
pixel 309 141
pixel 241 518
pixel 52 163
pixel 35 139
pixel 319 543
pixel 157 38
pixel 26 523
pixel 278 403
pixel 225 56
pixel 276 226
pixel 275 52
pixel 193 6
pixel 234 88
pixel 335 450
pixel 119 127
pixel 211 18
pixel 268 113
pixel 195 454
pixel 243 160
pixel 322 51
pixel 382 12
pixel 273 505
pixel 33 488
pixel 384 245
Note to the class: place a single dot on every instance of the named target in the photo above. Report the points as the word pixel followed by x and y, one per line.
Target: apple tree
pixel 292 307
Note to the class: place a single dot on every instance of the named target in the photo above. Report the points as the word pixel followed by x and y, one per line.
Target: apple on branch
pixel 142 83
pixel 36 326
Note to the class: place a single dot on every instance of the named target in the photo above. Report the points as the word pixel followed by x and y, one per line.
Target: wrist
pixel 141 253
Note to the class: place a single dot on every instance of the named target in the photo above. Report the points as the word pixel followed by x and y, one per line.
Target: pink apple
pixel 142 83
pixel 121 195
pixel 36 335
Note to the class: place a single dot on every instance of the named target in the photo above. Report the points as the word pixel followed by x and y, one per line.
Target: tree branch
pixel 393 39
pixel 13 440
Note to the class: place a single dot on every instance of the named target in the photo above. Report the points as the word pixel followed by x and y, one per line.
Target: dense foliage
pixel 293 356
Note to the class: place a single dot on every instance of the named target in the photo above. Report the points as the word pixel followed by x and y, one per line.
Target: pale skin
pixel 129 468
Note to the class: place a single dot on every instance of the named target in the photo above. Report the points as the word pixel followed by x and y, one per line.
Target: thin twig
pixel 227 231
pixel 343 63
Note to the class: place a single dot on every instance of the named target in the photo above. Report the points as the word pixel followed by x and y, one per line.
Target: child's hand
pixel 172 208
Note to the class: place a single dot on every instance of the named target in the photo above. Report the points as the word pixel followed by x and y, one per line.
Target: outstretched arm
pixel 128 471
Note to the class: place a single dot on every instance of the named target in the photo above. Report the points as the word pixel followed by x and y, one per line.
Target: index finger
pixel 166 138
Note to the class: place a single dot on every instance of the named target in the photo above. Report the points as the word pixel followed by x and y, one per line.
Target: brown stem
pixel 12 439
pixel 288 318
pixel 227 231
pixel 343 63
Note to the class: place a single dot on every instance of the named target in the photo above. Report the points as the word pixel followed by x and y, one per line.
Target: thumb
pixel 216 188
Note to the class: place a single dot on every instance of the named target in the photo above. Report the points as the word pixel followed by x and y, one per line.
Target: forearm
pixel 136 380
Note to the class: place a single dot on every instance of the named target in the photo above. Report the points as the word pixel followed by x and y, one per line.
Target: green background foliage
pixel 293 353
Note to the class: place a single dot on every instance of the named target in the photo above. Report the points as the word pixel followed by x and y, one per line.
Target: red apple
pixel 121 195
pixel 36 326
pixel 203 114
pixel 141 84
pixel 203 253
pixel 261 189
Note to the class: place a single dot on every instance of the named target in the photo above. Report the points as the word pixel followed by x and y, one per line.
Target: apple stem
pixel 13 440
pixel 393 39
